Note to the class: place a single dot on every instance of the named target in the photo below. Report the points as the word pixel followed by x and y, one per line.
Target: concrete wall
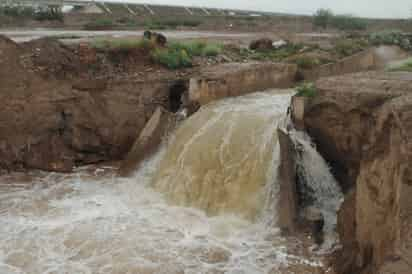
pixel 361 61
pixel 236 79
pixel 370 59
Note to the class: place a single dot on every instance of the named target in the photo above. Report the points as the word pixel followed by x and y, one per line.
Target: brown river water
pixel 204 203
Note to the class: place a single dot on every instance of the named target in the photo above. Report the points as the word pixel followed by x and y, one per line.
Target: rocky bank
pixel 362 125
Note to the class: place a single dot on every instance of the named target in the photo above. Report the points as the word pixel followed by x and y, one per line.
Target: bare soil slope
pixel 362 124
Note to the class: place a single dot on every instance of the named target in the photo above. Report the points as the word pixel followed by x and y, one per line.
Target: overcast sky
pixel 365 8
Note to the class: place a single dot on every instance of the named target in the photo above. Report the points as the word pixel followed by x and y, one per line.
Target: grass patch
pixel 196 48
pixel 212 50
pixel 179 55
pixel 404 66
pixel 125 44
pixel 274 54
pixel 306 90
pixel 172 58
pixel 392 37
pixel 348 47
pixel 307 62
pixel 176 55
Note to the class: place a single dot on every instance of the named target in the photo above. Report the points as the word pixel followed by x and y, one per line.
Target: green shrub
pixel 123 44
pixel 193 48
pixel 180 54
pixel 99 24
pixel 387 37
pixel 348 47
pixel 403 66
pixel 196 48
pixel 172 58
pixel 212 50
pixel 306 90
pixel 322 18
pixel 392 37
pixel 348 22
pixel 325 18
pixel 276 54
pixel 307 62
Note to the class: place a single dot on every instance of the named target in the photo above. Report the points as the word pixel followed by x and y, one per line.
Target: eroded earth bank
pixel 362 125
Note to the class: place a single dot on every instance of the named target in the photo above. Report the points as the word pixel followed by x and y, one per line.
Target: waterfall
pixel 224 158
pixel 319 184
pixel 201 204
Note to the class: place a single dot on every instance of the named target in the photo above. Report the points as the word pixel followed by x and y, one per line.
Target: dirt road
pixel 76 35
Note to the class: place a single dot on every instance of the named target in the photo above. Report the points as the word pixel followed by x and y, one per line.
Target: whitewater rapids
pixel 91 221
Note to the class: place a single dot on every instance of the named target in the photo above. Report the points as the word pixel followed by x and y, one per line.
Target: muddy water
pixel 222 158
pixel 94 222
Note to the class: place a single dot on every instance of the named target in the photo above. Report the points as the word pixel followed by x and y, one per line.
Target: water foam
pixel 94 222
pixel 100 225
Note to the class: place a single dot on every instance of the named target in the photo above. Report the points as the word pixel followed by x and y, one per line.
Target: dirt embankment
pixel 65 106
pixel 362 124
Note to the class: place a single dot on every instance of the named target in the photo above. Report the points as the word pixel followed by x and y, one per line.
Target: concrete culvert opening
pixel 176 93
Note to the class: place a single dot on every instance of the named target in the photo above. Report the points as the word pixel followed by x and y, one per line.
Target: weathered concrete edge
pixel 148 141
pixel 244 79
pixel 287 175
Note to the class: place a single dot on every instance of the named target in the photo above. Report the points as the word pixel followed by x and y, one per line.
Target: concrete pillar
pixel 299 104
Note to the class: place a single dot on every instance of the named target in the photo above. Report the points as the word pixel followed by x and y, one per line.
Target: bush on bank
pixel 392 37
pixel 324 18
pixel 173 56
pixel 179 55
pixel 306 90
pixel 403 66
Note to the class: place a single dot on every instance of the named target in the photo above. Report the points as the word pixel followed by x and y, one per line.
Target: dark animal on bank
pixel 157 38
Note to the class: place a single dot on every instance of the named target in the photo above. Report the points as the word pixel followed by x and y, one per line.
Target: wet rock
pixel 362 124
pixel 261 44
pixel 314 222
pixel 215 255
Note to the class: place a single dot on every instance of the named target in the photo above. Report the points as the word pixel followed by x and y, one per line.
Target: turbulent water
pixel 221 161
pixel 319 184
pixel 221 158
